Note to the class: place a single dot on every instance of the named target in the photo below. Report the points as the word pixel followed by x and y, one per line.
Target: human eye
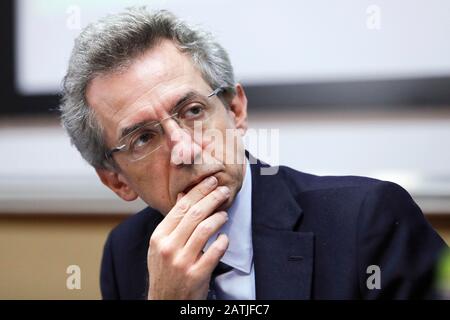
pixel 193 111
pixel 142 139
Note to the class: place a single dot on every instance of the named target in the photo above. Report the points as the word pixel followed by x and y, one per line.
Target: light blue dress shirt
pixel 239 283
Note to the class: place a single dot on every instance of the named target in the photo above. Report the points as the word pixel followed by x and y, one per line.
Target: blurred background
pixel 352 87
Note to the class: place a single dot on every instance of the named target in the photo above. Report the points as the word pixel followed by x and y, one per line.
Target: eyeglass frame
pixel 121 148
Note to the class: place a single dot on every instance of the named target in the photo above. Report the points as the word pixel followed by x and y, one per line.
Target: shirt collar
pixel 238 228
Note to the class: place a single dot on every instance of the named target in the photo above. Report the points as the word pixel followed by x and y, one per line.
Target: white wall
pixel 41 172
pixel 268 41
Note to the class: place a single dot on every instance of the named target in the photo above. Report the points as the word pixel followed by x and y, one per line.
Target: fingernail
pixel 225 190
pixel 218 235
pixel 225 215
pixel 211 181
pixel 224 244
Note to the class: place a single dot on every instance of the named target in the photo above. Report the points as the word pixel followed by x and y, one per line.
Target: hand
pixel 178 269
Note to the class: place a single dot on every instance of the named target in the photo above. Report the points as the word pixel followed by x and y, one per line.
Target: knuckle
pixel 204 228
pixel 179 264
pixel 183 206
pixel 166 249
pixel 154 240
pixel 195 212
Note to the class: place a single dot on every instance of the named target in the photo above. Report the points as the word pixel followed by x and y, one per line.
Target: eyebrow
pixel 127 130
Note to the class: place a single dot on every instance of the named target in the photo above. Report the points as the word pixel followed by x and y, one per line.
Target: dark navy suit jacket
pixel 313 238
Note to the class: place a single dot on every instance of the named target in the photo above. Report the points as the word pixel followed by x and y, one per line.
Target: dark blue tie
pixel 220 269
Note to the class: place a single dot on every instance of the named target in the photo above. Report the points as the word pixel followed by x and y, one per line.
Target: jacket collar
pixel 283 257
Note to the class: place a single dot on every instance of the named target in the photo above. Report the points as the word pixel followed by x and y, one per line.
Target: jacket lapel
pixel 283 257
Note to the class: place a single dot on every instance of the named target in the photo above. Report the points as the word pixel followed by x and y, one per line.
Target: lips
pixel 197 181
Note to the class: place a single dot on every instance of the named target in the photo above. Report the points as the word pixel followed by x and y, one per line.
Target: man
pixel 142 94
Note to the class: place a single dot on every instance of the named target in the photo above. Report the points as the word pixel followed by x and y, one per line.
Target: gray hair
pixel 110 45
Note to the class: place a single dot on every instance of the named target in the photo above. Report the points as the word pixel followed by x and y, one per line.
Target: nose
pixel 183 149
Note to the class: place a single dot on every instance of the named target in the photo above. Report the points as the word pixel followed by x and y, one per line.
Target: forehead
pixel 146 90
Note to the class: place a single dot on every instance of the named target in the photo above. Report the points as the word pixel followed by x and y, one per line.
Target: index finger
pixel 184 203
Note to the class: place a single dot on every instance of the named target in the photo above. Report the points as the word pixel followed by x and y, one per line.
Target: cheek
pixel 152 184
pixel 224 134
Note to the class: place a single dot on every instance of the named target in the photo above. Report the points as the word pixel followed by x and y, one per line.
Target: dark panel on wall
pixel 386 95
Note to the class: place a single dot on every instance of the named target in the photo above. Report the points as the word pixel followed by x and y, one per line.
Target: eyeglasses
pixel 147 138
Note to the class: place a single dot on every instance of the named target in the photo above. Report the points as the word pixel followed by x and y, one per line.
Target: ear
pixel 117 183
pixel 238 109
